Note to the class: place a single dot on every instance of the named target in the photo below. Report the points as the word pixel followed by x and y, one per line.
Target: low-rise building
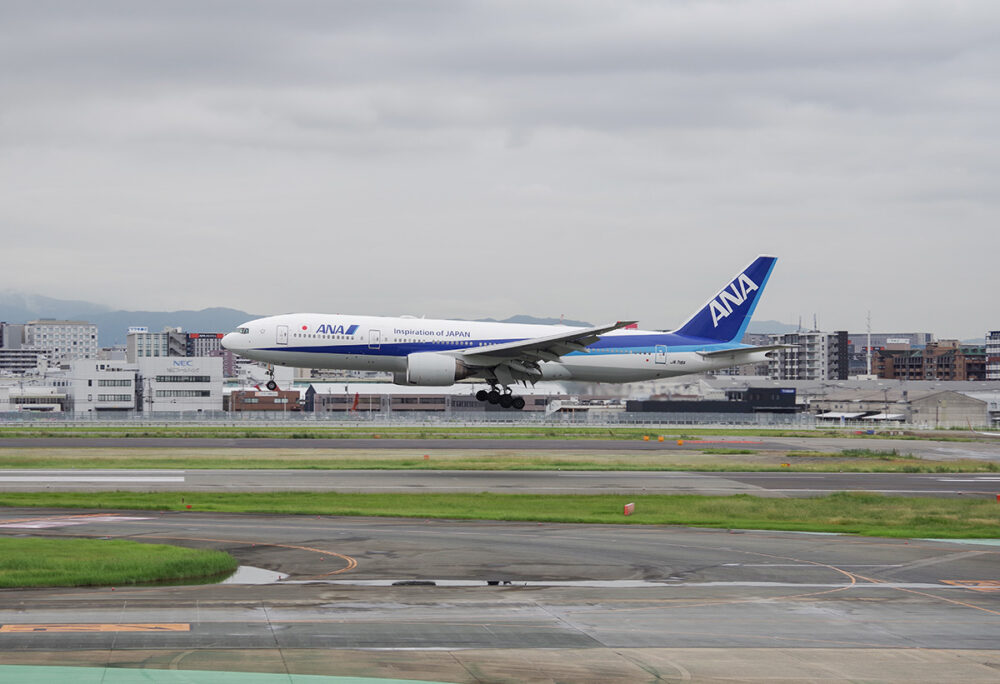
pixel 370 397
pixel 39 399
pixel 180 384
pixel 942 360
pixel 262 400
pixel 104 386
pixel 23 360
pixel 931 408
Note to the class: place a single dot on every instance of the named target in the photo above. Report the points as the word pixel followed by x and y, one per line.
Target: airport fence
pixel 411 418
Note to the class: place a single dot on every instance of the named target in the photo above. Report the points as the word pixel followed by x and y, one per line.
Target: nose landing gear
pixel 271 385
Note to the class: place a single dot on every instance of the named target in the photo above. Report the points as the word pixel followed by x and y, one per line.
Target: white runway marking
pixel 86 478
pixel 45 523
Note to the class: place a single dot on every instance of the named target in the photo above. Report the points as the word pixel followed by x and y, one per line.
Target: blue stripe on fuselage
pixel 621 344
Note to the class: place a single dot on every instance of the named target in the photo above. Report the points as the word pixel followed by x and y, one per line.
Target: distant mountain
pixel 523 318
pixel 19 307
pixel 113 326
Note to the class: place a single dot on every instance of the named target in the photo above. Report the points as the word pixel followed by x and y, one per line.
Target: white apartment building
pixel 810 356
pixel 993 355
pixel 178 384
pixel 62 341
pixel 103 386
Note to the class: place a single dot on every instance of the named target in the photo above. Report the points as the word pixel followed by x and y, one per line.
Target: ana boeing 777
pixel 427 352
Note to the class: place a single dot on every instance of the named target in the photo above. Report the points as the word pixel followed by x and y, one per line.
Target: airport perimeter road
pixel 584 603
pixel 509 482
pixel 985 449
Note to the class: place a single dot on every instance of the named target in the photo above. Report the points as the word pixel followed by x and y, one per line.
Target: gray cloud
pixel 596 159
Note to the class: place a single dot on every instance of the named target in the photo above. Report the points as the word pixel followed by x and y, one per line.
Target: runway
pixel 984 449
pixel 511 482
pixel 584 603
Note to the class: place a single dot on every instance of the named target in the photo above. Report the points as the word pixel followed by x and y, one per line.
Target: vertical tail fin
pixel 726 315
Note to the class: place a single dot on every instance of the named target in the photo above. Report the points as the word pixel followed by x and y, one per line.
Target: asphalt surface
pixel 584 603
pixel 982 449
pixel 511 482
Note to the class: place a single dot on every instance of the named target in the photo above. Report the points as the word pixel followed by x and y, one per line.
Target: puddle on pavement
pixel 246 574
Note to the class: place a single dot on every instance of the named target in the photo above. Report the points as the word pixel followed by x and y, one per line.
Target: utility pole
pixel 869 342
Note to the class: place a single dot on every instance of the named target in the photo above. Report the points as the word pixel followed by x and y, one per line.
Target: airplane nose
pixel 227 341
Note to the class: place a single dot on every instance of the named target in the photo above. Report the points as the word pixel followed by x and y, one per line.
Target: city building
pixel 810 355
pixel 103 386
pixel 140 343
pixel 932 408
pixel 40 399
pixel 370 397
pixel 204 344
pixel 739 400
pixel 22 360
pixel 254 400
pixel 62 341
pixel 180 384
pixel 858 343
pixel 11 335
pixel 942 360
pixel 993 355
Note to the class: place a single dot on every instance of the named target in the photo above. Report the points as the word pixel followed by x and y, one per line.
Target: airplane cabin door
pixel 661 353
pixel 374 339
pixel 281 334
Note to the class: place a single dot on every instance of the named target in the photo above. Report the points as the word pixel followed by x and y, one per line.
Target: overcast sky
pixel 600 160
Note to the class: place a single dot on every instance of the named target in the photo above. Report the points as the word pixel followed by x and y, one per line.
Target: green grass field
pixel 92 562
pixel 850 513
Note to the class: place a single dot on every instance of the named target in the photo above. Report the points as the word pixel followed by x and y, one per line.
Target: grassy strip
pixel 845 512
pixel 709 460
pixel 92 562
pixel 541 432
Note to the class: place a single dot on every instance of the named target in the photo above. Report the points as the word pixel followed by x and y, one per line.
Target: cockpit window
pixel 243 331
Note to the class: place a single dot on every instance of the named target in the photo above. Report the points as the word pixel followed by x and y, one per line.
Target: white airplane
pixel 441 352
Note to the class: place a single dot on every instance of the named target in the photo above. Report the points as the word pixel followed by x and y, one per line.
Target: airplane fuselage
pixel 375 343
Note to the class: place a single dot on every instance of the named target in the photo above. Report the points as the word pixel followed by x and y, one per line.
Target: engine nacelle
pixel 432 369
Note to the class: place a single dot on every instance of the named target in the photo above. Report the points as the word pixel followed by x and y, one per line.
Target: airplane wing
pixel 536 349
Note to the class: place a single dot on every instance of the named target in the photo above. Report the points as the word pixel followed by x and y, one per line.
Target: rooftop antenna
pixel 815 323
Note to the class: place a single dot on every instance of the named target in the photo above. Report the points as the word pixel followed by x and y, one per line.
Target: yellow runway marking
pixel 97 627
pixel 351 562
pixel 976 585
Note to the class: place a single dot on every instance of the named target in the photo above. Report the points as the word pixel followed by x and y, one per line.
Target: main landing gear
pixel 505 398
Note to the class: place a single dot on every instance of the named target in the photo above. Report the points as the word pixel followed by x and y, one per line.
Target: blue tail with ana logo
pixel 725 317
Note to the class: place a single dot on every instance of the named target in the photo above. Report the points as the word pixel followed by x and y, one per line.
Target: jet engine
pixel 432 369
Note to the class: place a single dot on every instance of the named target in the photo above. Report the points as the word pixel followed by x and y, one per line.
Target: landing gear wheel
pixel 517 403
pixel 506 400
pixel 493 397
pixel 271 385
pixel 481 395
